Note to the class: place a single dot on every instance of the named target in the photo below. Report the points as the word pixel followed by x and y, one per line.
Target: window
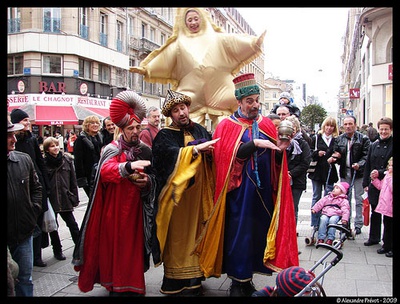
pixel 120 77
pixel 103 29
pixel 152 34
pixel 119 36
pixel 85 69
pixel 162 39
pixel 104 73
pixel 144 30
pixel 52 20
pixel 15 65
pixel 51 64
pixel 83 19
pixel 131 26
pixel 14 20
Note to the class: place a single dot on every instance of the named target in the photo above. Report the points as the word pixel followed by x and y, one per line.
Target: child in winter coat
pixel 385 206
pixel 333 207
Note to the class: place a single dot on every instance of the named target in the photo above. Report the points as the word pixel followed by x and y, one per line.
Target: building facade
pixel 367 74
pixel 65 63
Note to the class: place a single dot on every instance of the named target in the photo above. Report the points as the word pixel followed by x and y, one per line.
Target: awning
pixel 99 111
pixel 55 115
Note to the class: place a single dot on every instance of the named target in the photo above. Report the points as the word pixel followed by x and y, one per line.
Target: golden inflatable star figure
pixel 200 60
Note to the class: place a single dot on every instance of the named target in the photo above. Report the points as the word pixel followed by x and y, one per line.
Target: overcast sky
pixel 302 44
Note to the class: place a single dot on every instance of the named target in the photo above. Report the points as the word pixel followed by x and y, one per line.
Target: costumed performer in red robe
pixel 200 60
pixel 115 239
pixel 252 227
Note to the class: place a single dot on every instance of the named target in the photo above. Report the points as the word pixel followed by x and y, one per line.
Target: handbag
pixel 366 209
pixel 49 219
pixel 313 163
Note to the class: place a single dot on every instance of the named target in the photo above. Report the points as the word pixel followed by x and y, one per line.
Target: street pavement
pixel 360 273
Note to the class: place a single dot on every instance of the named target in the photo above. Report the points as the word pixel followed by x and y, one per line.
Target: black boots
pixel 59 256
pixel 241 289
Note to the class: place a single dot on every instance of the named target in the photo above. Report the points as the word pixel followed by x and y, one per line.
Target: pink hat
pixel 343 186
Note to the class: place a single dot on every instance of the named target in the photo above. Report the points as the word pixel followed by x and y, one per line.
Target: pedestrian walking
pixel 24 206
pixel 385 206
pixel 350 152
pixel 64 195
pixel 153 126
pixel 87 148
pixel 70 144
pixel 299 158
pixel 378 156
pixel 108 130
pixel 325 173
pixel 28 143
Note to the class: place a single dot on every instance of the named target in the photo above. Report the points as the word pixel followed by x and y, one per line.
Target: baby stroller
pixel 351 235
pixel 296 281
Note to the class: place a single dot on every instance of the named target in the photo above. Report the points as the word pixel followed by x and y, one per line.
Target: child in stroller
pixel 295 281
pixel 289 282
pixel 333 207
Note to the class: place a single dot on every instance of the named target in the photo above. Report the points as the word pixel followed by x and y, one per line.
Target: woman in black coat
pixel 299 157
pixel 87 148
pixel 64 189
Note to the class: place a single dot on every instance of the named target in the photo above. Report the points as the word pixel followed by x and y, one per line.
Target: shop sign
pixel 51 88
pixel 355 93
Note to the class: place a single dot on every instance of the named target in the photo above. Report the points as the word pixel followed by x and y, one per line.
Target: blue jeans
pixel 23 256
pixel 358 191
pixel 324 221
pixel 317 195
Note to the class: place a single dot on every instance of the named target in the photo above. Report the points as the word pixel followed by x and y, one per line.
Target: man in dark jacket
pixel 28 143
pixel 351 150
pixel 24 196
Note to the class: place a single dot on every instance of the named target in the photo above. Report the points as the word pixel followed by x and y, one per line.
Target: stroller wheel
pixel 352 235
pixel 337 244
pixel 310 241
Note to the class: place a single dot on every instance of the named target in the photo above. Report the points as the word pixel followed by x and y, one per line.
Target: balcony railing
pixel 119 45
pixel 14 25
pixel 103 39
pixel 52 25
pixel 84 31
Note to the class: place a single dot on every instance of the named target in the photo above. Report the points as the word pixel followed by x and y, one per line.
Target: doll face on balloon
pixel 193 21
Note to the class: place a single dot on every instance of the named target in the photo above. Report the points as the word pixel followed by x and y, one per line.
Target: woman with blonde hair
pixel 87 148
pixel 325 174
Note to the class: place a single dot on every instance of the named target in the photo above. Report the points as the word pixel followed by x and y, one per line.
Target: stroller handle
pixel 339 227
pixel 339 254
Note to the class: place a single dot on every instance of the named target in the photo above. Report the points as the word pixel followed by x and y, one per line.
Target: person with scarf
pixel 299 158
pixel 115 237
pixel 325 174
pixel 183 161
pixel 379 153
pixel 63 186
pixel 251 228
pixel 87 148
